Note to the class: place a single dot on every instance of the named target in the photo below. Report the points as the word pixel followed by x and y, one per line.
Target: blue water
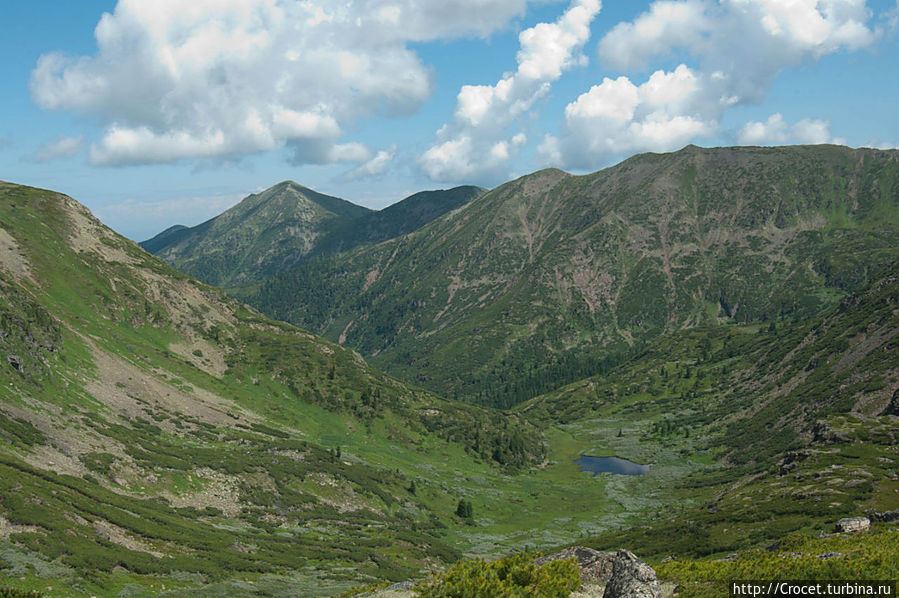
pixel 610 465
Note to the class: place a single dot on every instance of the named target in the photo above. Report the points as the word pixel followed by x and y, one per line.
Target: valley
pixel 726 316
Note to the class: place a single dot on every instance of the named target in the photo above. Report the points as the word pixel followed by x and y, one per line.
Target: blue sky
pixel 164 112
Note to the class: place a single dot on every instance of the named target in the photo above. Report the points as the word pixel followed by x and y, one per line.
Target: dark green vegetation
pixel 867 557
pixel 554 277
pixel 288 224
pixel 513 577
pixel 263 234
pixel 154 433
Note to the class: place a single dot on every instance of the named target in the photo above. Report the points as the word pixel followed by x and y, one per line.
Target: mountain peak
pixel 265 232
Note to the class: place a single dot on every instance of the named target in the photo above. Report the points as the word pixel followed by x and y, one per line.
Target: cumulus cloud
pixel 377 165
pixel 174 80
pixel 481 139
pixel 618 117
pixel 61 147
pixel 665 26
pixel 775 130
pixel 739 47
pixel 772 131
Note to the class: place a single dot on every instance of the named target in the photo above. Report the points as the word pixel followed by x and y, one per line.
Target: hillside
pixel 263 234
pixel 398 219
pixel 800 416
pixel 553 277
pixel 156 433
pixel 158 436
pixel 287 224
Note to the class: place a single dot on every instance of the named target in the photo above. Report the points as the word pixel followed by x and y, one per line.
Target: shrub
pixel 513 577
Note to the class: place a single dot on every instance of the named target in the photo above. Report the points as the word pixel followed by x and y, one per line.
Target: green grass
pixel 869 556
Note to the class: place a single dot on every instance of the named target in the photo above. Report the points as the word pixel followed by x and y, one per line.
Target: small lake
pixel 610 465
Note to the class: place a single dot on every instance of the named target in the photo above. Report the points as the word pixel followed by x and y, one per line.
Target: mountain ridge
pixel 553 273
pixel 288 223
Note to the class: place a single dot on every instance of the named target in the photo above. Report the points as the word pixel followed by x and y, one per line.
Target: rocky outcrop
pixel 893 407
pixel 826 435
pixel 596 566
pixel 632 578
pixel 885 516
pixel 853 524
pixel 611 574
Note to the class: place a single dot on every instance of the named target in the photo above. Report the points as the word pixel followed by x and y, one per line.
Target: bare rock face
pixel 893 407
pixel 853 524
pixel 825 434
pixel 884 516
pixel 632 578
pixel 596 566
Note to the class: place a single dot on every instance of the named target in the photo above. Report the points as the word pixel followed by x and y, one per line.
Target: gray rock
pixel 596 566
pixel 885 516
pixel 632 578
pixel 829 555
pixel 853 524
pixel 401 586
pixel 824 434
pixel 893 407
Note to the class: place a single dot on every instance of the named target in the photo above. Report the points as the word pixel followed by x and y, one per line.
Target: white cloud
pixel 377 165
pixel 618 117
pixel 613 100
pixel 772 131
pixel 61 147
pixel 775 131
pixel 174 79
pixel 667 24
pixel 478 143
pixel 739 47
pixel 812 131
pixel 730 29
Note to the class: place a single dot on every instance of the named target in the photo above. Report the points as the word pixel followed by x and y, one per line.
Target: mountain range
pixel 552 277
pixel 287 224
pixel 727 317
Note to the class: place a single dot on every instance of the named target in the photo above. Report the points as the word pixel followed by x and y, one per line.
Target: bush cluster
pixel 513 577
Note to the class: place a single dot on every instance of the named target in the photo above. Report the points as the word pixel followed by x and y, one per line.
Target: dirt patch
pixel 371 278
pixel 336 493
pixel 220 492
pixel 203 355
pixel 87 234
pixel 864 346
pixel 132 392
pixel 342 339
pixel 12 258
pixel 454 285
pixel 50 458
pixel 117 535
pixel 7 528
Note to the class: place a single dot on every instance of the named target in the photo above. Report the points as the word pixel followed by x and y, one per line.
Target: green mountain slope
pixel 264 233
pixel 799 416
pixel 552 277
pixel 397 219
pixel 154 432
pixel 288 224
